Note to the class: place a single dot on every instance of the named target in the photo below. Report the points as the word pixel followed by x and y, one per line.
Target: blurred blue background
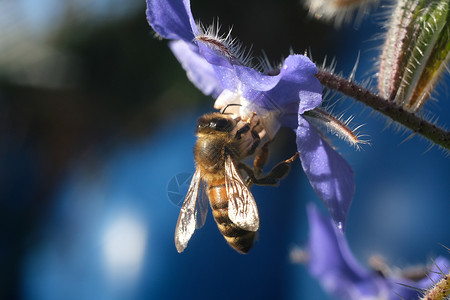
pixel 97 117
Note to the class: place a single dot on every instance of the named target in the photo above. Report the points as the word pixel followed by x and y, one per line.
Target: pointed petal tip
pixel 329 174
pixel 171 19
pixel 340 226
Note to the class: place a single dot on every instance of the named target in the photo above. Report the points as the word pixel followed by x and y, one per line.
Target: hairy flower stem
pixel 410 120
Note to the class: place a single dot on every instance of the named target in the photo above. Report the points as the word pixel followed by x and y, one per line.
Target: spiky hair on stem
pixel 338 125
pixel 340 11
pixel 440 290
pixel 326 119
pixel 224 44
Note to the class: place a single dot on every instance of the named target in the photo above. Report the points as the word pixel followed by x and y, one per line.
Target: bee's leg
pixel 261 159
pixel 251 175
pixel 276 174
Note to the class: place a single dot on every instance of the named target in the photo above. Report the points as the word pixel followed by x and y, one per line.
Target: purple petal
pixel 329 174
pixel 400 288
pixel 295 83
pixel 227 78
pixel 328 247
pixel 198 70
pixel 172 19
pixel 213 57
pixel 334 265
pixel 332 262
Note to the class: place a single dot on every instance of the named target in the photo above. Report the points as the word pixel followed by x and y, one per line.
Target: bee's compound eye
pixel 220 124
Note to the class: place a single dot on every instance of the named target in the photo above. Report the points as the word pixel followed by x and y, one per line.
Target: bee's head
pixel 211 123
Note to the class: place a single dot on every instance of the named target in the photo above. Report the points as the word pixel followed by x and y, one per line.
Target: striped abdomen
pixel 241 240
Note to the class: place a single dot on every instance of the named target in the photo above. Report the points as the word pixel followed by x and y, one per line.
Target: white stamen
pixel 243 108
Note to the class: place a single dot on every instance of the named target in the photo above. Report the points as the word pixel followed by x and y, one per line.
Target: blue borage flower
pixel 217 67
pixel 330 260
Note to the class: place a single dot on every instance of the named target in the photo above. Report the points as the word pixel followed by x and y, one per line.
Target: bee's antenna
pixel 231 104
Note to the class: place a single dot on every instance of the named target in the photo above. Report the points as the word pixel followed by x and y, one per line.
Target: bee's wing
pixel 201 209
pixel 191 215
pixel 242 209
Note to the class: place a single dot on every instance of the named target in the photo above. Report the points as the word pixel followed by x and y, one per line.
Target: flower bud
pixel 339 11
pixel 415 53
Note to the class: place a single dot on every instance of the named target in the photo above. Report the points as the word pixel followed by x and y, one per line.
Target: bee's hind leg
pixel 277 173
pixel 261 159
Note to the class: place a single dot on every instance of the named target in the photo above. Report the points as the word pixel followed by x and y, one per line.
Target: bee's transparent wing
pixel 188 219
pixel 201 209
pixel 242 209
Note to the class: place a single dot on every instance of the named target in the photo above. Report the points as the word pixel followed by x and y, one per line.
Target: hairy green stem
pixel 410 120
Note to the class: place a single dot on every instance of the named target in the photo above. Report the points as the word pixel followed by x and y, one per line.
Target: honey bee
pixel 222 143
